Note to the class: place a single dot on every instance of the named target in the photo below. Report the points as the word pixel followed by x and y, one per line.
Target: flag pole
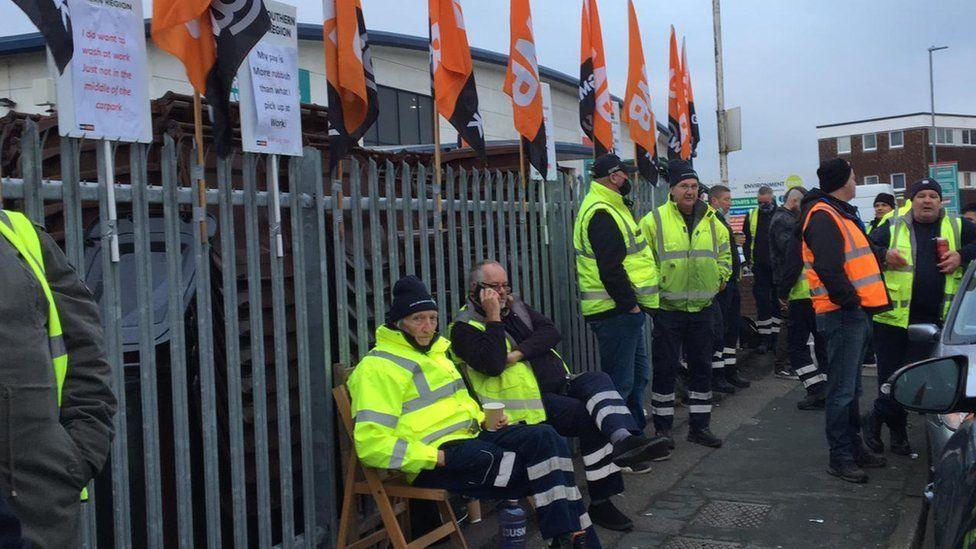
pixel 113 222
pixel 437 159
pixel 637 203
pixel 521 149
pixel 276 206
pixel 201 210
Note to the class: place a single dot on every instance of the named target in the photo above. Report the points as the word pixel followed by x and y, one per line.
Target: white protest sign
pixel 271 118
pixel 552 171
pixel 104 91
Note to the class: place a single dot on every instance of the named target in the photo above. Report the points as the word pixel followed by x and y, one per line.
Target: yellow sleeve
pixel 649 230
pixel 724 253
pixel 377 392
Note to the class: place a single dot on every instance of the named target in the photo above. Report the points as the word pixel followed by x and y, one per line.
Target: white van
pixel 865 199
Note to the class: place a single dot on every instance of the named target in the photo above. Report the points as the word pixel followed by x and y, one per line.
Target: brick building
pixel 897 150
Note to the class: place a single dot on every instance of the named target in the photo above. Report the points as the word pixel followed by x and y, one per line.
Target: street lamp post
pixel 723 155
pixel 932 98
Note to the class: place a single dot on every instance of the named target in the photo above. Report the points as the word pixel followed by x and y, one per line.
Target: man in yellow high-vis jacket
pixel 54 385
pixel 414 414
pixel 508 352
pixel 921 284
pixel 692 252
pixel 617 279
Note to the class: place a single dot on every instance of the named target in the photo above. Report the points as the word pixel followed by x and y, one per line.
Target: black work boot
pixel 899 441
pixel 666 435
pixel 871 430
pixel 721 385
pixel 813 401
pixel 733 377
pixel 704 437
pixel 607 515
pixel 849 472
pixel 637 449
pixel 867 460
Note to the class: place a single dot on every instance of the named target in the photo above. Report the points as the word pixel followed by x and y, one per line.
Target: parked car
pixel 944 388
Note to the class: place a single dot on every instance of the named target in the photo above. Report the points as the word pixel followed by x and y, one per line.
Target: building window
pixel 943 136
pixel 967 180
pixel 869 142
pixel 896 140
pixel 844 145
pixel 405 118
pixel 870 180
pixel 898 181
pixel 969 137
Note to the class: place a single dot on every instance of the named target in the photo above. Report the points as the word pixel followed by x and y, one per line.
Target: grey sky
pixel 790 65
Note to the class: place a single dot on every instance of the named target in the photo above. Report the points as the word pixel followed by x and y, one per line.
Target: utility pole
pixel 723 155
pixel 932 98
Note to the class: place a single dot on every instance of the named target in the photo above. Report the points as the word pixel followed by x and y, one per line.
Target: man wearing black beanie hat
pixel 884 204
pixel 845 288
pixel 413 414
pixel 921 281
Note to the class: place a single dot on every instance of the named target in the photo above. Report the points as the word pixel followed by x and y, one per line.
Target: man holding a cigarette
pixel 926 251
pixel 414 414
pixel 507 351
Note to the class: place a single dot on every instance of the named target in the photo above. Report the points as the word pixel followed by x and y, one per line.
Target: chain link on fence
pixel 222 351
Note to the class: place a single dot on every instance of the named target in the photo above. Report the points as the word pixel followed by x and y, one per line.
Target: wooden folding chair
pixel 385 487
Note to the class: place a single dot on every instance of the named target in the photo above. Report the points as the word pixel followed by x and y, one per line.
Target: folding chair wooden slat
pixel 362 480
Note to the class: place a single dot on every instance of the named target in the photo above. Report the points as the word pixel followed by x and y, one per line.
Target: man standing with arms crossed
pixel 846 289
pixel 691 249
pixel 617 280
pixel 756 249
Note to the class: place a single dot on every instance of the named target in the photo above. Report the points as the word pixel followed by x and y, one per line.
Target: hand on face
pixel 491 303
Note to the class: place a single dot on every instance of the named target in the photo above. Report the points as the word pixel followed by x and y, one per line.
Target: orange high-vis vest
pixel 859 263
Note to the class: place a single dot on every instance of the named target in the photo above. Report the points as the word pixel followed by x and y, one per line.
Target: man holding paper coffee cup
pixel 926 251
pixel 414 414
pixel 507 351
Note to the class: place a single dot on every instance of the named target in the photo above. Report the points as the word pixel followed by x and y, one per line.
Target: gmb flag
pixel 686 77
pixel 596 110
pixel 51 17
pixel 353 106
pixel 679 146
pixel 452 73
pixel 637 105
pixel 211 38
pixel 522 85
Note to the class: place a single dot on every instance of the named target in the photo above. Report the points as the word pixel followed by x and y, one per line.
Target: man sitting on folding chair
pixel 414 414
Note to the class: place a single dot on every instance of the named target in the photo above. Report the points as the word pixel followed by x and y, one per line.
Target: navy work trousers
pixel 672 331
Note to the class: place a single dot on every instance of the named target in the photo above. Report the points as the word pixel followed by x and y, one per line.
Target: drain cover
pixel 697 543
pixel 732 514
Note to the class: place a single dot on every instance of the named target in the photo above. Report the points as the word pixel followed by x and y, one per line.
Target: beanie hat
pixel 886 198
pixel 927 184
pixel 833 174
pixel 679 170
pixel 410 296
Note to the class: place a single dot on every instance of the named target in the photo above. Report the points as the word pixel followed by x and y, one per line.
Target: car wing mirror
pixel 923 333
pixel 936 385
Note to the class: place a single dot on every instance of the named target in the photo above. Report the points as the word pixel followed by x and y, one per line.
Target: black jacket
pixel 784 250
pixel 535 337
pixel 610 251
pixel 928 286
pixel 825 240
pixel 759 256
pixel 736 259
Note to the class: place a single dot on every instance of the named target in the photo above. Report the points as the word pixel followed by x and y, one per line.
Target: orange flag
pixel 184 29
pixel 522 85
pixel 452 72
pixel 679 146
pixel 353 105
pixel 637 104
pixel 596 110
pixel 692 117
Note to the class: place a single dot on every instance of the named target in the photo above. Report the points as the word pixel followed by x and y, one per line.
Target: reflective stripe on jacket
pixel 407 403
pixel 860 265
pixel 692 266
pixel 899 280
pixel 638 263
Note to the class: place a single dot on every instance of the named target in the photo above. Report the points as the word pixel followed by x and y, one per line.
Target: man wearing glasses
pixel 508 355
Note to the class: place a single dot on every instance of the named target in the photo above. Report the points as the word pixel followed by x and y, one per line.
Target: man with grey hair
pixel 508 355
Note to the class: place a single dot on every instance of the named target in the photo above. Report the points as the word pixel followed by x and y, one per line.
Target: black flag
pixel 647 165
pixel 52 19
pixel 238 26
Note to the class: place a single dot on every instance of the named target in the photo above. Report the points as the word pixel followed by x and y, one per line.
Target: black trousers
pixel 801 323
pixel 767 305
pixel 894 351
pixel 672 331
pixel 725 330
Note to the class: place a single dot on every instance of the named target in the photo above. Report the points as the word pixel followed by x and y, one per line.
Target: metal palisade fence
pixel 221 351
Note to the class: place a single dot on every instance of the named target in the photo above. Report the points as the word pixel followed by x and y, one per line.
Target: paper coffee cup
pixel 493 414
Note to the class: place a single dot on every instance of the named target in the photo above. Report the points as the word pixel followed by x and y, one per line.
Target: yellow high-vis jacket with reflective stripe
pixel 407 403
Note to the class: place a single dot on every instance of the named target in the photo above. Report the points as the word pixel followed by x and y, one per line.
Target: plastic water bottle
pixel 512 525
